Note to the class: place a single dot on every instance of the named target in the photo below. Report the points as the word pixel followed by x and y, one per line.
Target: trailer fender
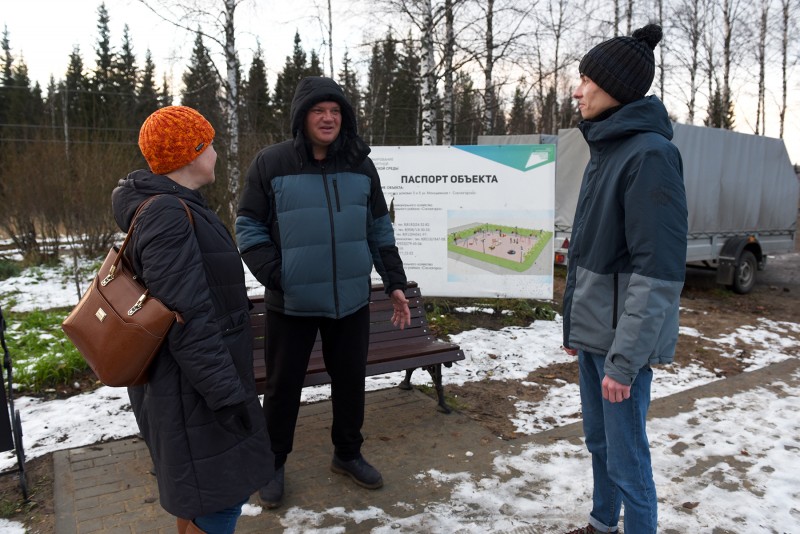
pixel 730 261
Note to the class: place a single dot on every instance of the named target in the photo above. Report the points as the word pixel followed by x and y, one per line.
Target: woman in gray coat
pixel 198 412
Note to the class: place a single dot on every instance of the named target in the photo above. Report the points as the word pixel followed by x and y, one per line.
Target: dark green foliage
pixel 256 117
pixel 404 99
pixel 720 115
pixel 148 99
pixel 392 96
pixel 521 119
pixel 201 88
pixel 467 123
pixel 348 79
pixel 382 70
pixel 9 269
pixel 295 69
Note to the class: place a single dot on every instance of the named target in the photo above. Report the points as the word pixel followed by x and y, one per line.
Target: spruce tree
pixel 294 69
pixel 719 114
pixel 124 76
pixel 201 89
pixel 147 98
pixel 257 119
pixel 74 93
pixel 314 66
pixel 348 79
pixel 165 93
pixel 5 81
pixel 377 97
pixel 403 122
pixel 520 120
pixel 102 90
pixel 468 104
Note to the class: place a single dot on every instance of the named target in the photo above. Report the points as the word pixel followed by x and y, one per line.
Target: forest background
pixel 426 72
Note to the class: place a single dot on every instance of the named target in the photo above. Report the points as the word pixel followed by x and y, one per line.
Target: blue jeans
pixel 617 440
pixel 222 522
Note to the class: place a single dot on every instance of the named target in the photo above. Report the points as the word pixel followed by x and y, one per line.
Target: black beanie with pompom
pixel 624 67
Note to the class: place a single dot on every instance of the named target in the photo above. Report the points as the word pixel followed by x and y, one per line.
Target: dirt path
pixel 706 307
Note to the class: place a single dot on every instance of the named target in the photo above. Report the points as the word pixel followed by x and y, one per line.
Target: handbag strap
pixel 123 246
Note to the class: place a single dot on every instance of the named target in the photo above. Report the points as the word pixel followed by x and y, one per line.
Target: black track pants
pixel 289 342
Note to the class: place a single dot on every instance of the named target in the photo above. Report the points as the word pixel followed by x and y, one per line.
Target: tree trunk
pixel 447 99
pixel 232 109
pixel 786 19
pixel 761 56
pixel 330 37
pixel 728 22
pixel 428 78
pixel 661 73
pixel 489 100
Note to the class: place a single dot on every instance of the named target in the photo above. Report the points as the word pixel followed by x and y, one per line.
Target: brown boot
pixel 183 524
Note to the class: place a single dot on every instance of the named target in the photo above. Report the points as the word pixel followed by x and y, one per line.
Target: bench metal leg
pixel 436 374
pixel 406 383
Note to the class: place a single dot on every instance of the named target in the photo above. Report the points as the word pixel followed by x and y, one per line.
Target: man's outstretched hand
pixel 402 315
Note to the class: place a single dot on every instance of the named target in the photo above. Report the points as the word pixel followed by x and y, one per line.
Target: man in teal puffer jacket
pixel 311 224
pixel 627 260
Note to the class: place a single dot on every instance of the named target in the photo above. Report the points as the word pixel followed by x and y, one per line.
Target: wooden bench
pixel 390 349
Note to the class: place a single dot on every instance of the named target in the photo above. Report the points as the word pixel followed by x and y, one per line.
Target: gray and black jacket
pixel 311 231
pixel 627 253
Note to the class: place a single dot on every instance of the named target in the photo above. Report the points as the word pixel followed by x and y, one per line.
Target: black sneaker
pixel 271 495
pixel 359 470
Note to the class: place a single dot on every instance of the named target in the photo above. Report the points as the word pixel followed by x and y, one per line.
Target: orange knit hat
pixel 174 136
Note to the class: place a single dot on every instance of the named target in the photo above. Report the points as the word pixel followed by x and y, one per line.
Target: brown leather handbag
pixel 117 326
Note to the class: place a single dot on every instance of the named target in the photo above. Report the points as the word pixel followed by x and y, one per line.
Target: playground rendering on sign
pixel 510 247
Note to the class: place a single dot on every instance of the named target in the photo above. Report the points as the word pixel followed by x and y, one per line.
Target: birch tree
pixel 425 17
pixel 689 25
pixel 761 60
pixel 497 30
pixel 786 15
pixel 732 11
pixel 428 76
pixel 219 17
pixel 448 100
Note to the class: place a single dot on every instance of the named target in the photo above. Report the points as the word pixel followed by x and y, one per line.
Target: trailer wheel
pixel 745 276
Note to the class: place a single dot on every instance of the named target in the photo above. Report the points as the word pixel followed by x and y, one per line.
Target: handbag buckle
pixel 138 306
pixel 109 278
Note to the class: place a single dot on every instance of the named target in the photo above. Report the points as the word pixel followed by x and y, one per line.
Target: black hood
pixel 315 89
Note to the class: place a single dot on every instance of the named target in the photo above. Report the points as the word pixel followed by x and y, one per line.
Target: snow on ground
pixel 701 489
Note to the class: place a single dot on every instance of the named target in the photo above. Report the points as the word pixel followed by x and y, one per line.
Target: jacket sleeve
pixel 656 225
pixel 380 236
pixel 259 250
pixel 173 269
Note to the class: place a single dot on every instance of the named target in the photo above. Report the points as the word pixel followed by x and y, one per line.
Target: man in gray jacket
pixel 311 224
pixel 627 260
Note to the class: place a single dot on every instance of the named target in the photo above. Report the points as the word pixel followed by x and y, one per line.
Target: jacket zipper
pixel 616 301
pixel 333 235
pixel 336 193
